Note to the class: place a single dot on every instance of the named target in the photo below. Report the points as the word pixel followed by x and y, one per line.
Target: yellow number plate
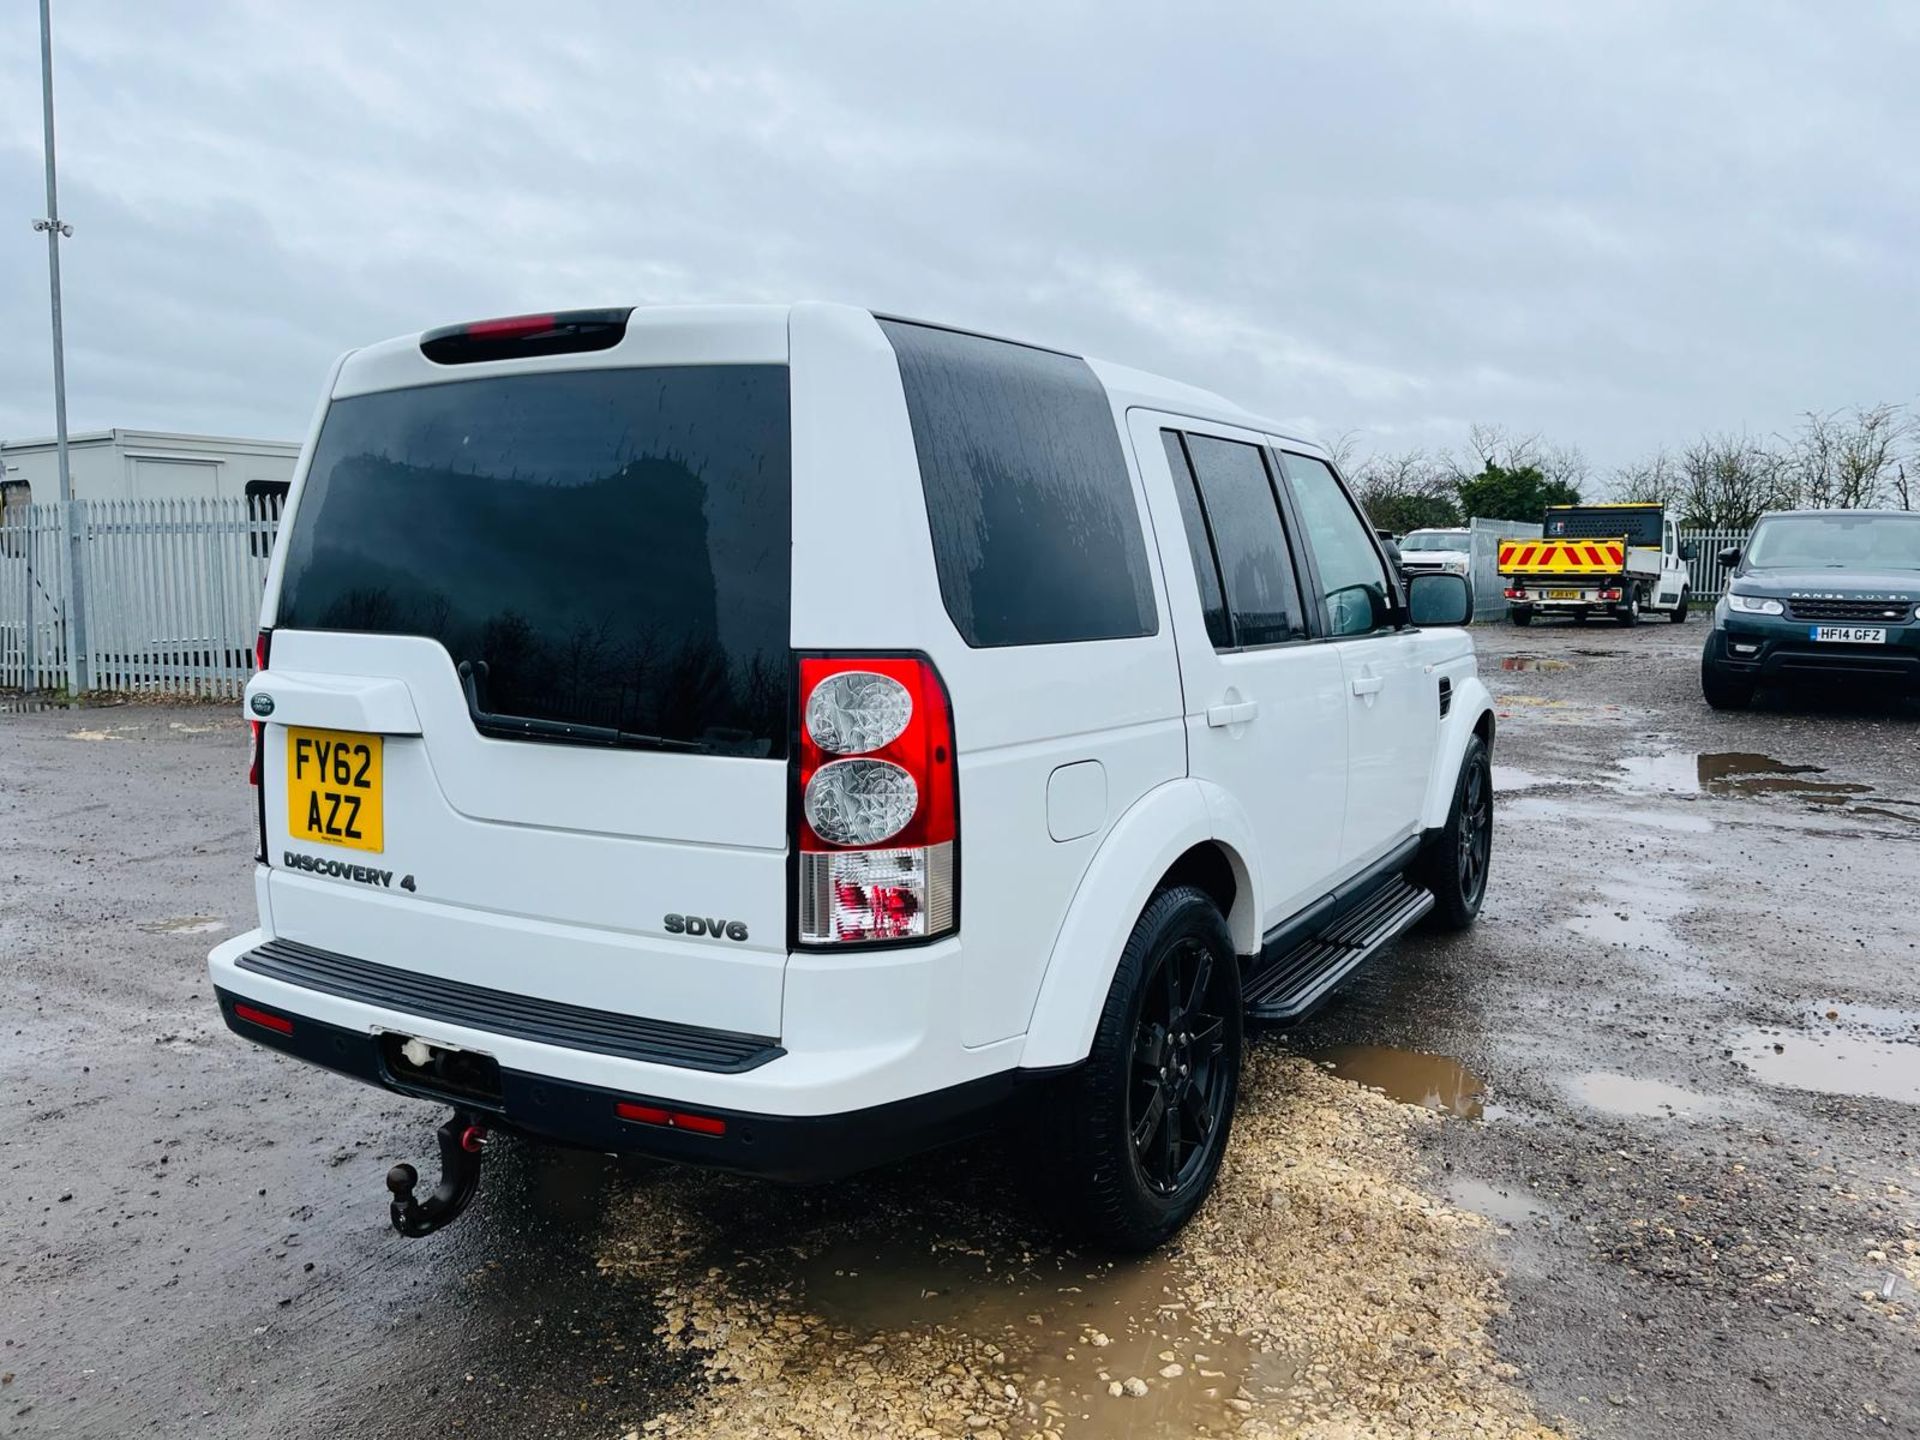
pixel 333 788
pixel 1563 594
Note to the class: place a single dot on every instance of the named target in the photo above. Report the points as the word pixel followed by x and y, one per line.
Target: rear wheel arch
pixel 1219 873
pixel 1173 835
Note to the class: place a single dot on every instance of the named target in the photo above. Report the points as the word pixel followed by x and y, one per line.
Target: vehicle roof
pixel 178 439
pixel 1879 512
pixel 373 367
pixel 1611 505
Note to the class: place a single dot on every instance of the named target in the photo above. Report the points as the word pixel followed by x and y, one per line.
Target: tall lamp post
pixel 73 593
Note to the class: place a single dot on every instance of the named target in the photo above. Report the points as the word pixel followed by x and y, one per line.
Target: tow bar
pixel 462 1139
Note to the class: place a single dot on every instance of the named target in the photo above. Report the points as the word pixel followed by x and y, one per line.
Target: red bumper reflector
pixel 670 1119
pixel 265 1019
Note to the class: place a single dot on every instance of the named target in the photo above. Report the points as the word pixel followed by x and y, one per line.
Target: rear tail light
pixel 516 337
pixel 262 646
pixel 878 802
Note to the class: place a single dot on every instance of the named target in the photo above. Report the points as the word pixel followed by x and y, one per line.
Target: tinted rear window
pixel 1036 535
pixel 614 545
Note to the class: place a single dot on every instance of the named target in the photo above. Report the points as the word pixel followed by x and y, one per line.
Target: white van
pixel 786 738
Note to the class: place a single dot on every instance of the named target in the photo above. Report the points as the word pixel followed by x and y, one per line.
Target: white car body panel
pixel 1085 770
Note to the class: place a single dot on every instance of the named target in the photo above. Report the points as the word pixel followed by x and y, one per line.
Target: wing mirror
pixel 1689 550
pixel 1439 600
pixel 1729 556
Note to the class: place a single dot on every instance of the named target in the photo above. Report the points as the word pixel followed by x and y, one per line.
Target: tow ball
pixel 462 1140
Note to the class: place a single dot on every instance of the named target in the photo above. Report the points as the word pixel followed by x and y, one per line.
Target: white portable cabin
pixel 146 465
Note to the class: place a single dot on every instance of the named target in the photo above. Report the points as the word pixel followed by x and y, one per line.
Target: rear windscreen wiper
pixel 531 727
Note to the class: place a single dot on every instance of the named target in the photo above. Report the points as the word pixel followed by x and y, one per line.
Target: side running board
pixel 1300 979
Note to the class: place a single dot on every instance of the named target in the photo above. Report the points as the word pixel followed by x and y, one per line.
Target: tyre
pixel 1456 863
pixel 1679 616
pixel 1723 691
pixel 1520 614
pixel 1129 1142
pixel 1629 613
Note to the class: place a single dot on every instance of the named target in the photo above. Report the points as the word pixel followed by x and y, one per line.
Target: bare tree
pixel 1410 490
pixel 1564 465
pixel 1728 481
pixel 1844 459
pixel 1491 446
pixel 1905 488
pixel 1869 451
pixel 1656 480
pixel 1345 450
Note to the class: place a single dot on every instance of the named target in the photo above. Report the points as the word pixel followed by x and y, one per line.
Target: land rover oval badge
pixel 262 704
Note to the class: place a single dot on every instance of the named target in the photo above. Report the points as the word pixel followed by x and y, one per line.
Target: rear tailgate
pixel 1571 559
pixel 529 683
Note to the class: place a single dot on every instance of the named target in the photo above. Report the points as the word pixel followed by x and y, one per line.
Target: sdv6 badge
pixel 700 925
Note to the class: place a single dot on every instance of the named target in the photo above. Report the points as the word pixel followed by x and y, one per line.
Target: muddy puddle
pixel 1511 1206
pixel 1534 662
pixel 1635 1097
pixel 1508 778
pixel 1742 774
pixel 1433 1082
pixel 1072 1336
pixel 1844 1049
pixel 1321 1290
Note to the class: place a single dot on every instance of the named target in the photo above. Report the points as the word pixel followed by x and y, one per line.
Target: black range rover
pixel 1818 595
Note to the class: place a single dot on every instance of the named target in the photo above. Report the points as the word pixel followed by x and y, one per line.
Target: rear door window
pixel 1243 518
pixel 606 551
pixel 1036 532
pixel 1353 581
pixel 1200 546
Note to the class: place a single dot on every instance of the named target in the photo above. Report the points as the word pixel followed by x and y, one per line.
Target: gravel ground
pixel 1656 1177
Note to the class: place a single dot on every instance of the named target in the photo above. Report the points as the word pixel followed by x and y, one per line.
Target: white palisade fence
pixel 171 591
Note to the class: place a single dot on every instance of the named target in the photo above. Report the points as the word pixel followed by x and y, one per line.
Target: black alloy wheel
pixel 1125 1146
pixel 1179 1086
pixel 1456 863
pixel 1476 835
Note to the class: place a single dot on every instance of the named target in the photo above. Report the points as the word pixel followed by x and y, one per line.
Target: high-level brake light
pixel 516 337
pixel 878 801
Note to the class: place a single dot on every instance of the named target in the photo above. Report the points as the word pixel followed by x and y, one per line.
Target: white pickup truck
pixel 1616 559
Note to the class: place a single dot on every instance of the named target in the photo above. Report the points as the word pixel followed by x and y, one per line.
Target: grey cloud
pixel 1616 224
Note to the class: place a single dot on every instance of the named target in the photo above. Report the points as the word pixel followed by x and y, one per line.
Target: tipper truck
pixel 1619 560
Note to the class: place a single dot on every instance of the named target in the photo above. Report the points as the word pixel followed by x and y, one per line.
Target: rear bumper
pixel 870 1064
pixel 1770 651
pixel 781 1147
pixel 1534 594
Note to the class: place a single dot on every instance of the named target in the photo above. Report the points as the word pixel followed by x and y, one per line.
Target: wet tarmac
pixel 1673 1068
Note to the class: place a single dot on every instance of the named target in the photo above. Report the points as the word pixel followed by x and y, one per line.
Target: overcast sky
pixel 1618 224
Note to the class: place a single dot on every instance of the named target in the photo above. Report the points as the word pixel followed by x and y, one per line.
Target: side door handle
pixel 1368 685
pixel 1221 716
